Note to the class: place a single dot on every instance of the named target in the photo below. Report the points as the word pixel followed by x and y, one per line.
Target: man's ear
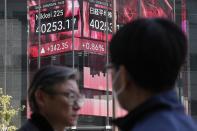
pixel 125 79
pixel 40 98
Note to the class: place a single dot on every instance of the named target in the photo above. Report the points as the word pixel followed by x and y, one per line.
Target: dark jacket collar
pixel 163 101
pixel 40 122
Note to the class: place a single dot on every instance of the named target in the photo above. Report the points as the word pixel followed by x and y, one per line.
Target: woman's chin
pixel 72 121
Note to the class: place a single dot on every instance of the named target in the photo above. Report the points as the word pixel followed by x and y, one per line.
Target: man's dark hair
pixel 152 51
pixel 46 78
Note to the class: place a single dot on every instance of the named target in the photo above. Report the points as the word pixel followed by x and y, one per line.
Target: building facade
pixel 76 33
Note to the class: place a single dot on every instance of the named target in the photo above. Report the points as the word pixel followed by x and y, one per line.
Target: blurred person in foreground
pixel 54 99
pixel 146 58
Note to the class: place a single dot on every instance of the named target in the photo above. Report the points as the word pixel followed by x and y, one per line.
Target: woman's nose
pixel 76 106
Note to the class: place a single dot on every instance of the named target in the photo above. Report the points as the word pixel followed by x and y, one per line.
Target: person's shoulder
pixel 167 121
pixel 28 126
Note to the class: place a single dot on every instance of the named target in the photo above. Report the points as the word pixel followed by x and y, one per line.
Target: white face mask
pixel 116 93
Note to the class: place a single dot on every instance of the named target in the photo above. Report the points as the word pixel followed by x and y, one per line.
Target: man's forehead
pixel 70 85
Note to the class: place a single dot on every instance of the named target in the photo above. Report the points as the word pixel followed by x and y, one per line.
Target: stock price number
pixel 93 46
pixel 57 26
pixel 57 47
pixel 100 25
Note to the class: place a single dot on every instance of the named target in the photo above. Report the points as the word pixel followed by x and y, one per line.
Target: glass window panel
pixel 13 58
pixel 73 33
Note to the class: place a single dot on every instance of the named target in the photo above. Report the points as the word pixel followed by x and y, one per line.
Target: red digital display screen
pixel 98 107
pixel 54 20
pixel 65 45
pixel 184 16
pixel 98 81
pixel 128 10
pixel 51 23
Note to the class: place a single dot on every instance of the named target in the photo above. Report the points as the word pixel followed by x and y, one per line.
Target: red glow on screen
pixel 184 16
pixel 98 107
pixel 128 10
pixel 90 27
pixel 98 82
pixel 58 47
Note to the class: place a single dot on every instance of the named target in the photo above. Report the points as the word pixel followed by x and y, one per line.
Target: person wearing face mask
pixel 146 57
pixel 54 99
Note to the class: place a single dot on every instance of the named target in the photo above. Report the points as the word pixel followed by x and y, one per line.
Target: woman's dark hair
pixel 45 79
pixel 152 51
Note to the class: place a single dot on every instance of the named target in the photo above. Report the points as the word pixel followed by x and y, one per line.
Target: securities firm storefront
pixel 74 33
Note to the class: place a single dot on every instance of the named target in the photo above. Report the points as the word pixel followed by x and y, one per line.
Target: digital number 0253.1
pixel 56 26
